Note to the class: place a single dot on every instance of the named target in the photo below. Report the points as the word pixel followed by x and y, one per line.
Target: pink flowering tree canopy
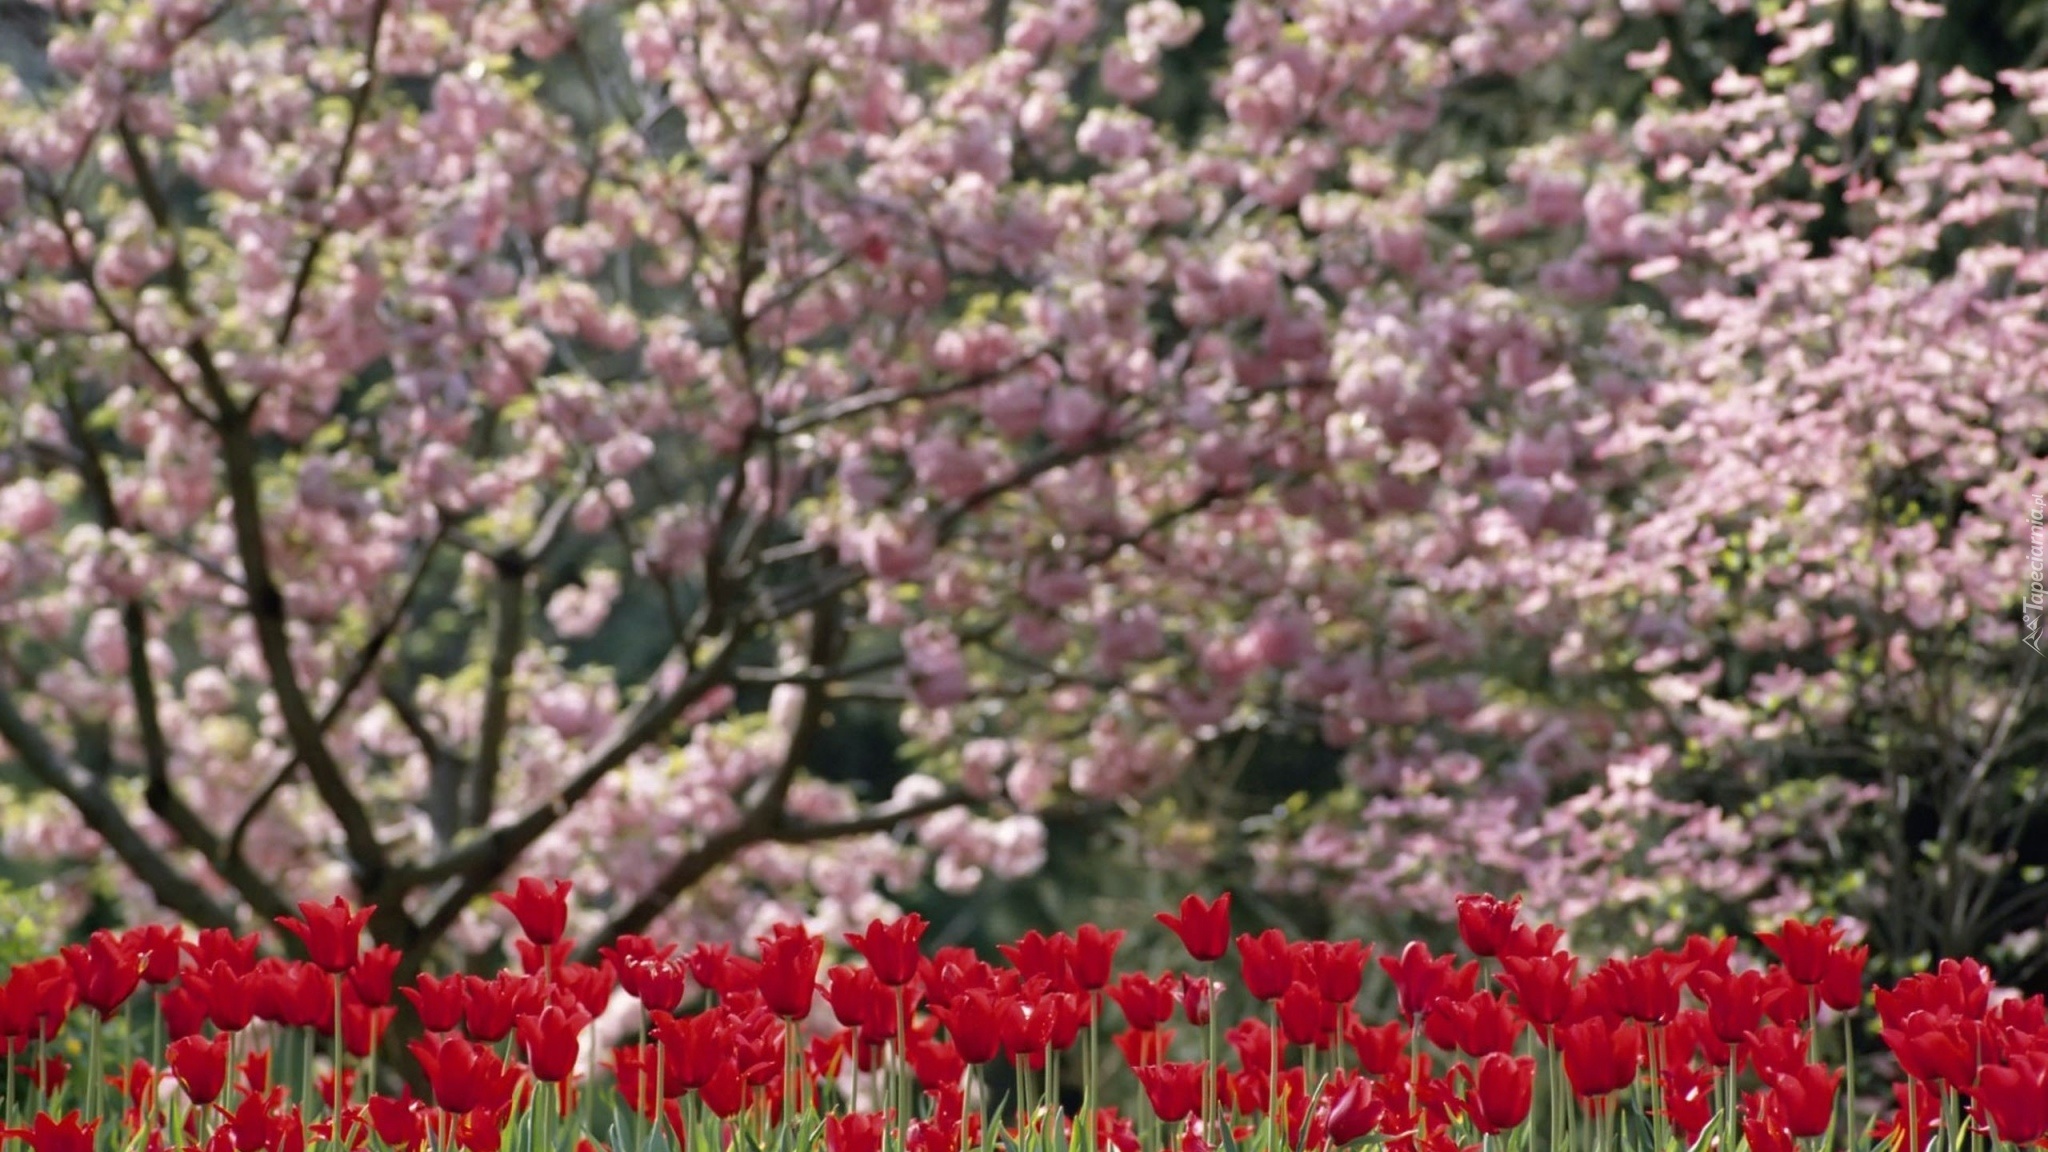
pixel 441 438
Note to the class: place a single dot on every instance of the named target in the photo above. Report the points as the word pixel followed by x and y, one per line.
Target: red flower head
pixel 1803 948
pixel 1690 1099
pixel 1807 1097
pixel 789 971
pixel 47 1135
pixel 1645 989
pixel 855 1132
pixel 1142 1048
pixel 220 946
pixel 332 933
pixel 1545 987
pixel 1841 987
pixel 1036 955
pixel 397 1121
pixel 201 1067
pixel 1355 1113
pixel 541 909
pixel 693 1048
pixel 551 1040
pixel 1094 959
pixel 858 999
pixel 184 1011
pixel 1147 1003
pixel 464 1075
pixel 105 969
pixel 1479 1025
pixel 1485 922
pixel 1337 968
pixel 439 1002
pixel 890 948
pixel 161 948
pixel 1197 997
pixel 231 998
pixel 1734 1003
pixel 658 983
pixel 1173 1090
pixel 1419 978
pixel 490 1006
pixel 1266 963
pixel 975 1022
pixel 1306 1019
pixel 1600 1058
pixel 1380 1050
pixel 2014 1098
pixel 1934 1049
pixel 371 978
pixel 1204 929
pixel 1501 1092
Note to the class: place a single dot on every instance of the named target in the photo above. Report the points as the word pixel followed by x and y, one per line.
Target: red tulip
pixel 1036 955
pixel 694 1047
pixel 1094 959
pixel 1803 948
pixel 397 1121
pixel 1544 987
pixel 220 946
pixel 551 1040
pixel 658 983
pixel 1302 1019
pixel 1267 966
pixel 465 1076
pixel 1485 922
pixel 541 909
pixel 1734 1003
pixel 370 979
pixel 1147 1003
pixel 1204 929
pixel 1479 1025
pixel 1419 978
pixel 1501 1092
pixel 201 1067
pixel 231 997
pixel 1173 1090
pixel 332 933
pixel 48 1135
pixel 1600 1058
pixel 106 970
pixel 1355 1113
pixel 1841 986
pixel 1337 968
pixel 2014 1098
pixel 161 948
pixel 1807 1097
pixel 789 971
pixel 975 1023
pixel 491 1006
pixel 855 1132
pixel 1380 1050
pixel 439 1002
pixel 890 948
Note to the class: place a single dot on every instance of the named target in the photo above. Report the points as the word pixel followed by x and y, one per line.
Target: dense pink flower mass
pixel 1583 474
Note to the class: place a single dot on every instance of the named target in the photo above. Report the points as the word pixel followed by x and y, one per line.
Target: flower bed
pixel 1522 1045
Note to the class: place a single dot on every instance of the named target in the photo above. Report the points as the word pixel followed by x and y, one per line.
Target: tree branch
pixel 366 660
pixel 759 826
pixel 508 634
pixel 480 862
pixel 359 104
pixel 166 883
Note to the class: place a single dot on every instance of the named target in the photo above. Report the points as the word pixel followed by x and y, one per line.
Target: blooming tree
pixel 430 424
